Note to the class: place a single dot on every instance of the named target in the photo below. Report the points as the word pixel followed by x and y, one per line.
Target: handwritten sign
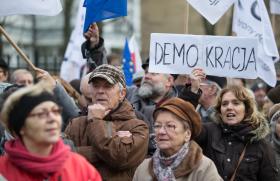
pixel 212 10
pixel 218 55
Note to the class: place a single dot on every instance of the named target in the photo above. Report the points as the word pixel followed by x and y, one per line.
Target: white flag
pixel 275 6
pixel 251 19
pixel 135 54
pixel 31 7
pixel 212 10
pixel 73 54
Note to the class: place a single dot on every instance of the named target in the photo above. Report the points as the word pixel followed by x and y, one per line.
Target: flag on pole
pixel 31 7
pixel 132 62
pixel 128 67
pixel 212 10
pixel 275 6
pixel 251 19
pixel 98 10
pixel 73 59
pixel 135 54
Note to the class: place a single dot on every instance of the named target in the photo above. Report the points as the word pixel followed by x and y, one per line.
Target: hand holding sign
pixel 196 77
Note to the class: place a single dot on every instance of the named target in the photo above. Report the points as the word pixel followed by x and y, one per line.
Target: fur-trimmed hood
pixel 259 132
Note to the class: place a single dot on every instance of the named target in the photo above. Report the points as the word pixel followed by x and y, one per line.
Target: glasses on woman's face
pixel 167 127
pixel 45 113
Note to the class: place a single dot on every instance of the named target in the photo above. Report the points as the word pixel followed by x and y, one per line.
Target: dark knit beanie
pixel 183 110
pixel 274 94
pixel 23 107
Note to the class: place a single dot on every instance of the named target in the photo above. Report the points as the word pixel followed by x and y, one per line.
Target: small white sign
pixel 223 56
pixel 212 10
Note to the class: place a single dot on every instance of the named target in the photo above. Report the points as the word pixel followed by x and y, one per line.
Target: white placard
pixel 212 10
pixel 223 56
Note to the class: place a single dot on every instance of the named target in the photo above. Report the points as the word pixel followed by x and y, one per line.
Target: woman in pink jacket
pixel 37 152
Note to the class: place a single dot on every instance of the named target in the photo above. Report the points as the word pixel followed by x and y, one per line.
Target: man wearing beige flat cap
pixel 110 136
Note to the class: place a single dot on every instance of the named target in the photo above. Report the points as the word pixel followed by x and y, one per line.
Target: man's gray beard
pixel 151 91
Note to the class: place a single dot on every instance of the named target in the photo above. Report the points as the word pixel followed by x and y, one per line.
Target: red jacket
pixel 75 168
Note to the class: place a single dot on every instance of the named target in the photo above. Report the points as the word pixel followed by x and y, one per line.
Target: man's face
pixel 259 96
pixel 154 84
pixel 25 79
pixel 3 75
pixel 106 94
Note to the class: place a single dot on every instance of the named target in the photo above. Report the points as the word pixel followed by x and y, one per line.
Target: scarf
pixel 37 165
pixel 241 131
pixel 164 166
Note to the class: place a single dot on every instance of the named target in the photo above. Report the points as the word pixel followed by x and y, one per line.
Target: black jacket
pixel 224 146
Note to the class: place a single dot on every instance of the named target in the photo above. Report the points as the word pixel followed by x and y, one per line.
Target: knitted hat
pixel 274 94
pixel 110 73
pixel 183 110
pixel 274 115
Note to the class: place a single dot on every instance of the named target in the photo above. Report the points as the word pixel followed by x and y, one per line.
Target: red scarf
pixel 43 166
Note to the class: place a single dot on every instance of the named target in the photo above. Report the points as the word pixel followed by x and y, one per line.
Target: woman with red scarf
pixel 37 152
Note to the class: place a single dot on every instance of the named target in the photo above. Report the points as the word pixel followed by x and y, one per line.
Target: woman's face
pixel 43 125
pixel 232 109
pixel 170 133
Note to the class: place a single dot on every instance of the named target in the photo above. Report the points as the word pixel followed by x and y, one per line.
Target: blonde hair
pixel 252 115
pixel 12 100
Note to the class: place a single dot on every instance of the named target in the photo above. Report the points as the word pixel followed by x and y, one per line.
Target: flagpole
pixel 25 58
pixel 273 19
pixel 187 18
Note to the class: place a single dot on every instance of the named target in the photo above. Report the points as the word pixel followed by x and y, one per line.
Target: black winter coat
pixel 224 147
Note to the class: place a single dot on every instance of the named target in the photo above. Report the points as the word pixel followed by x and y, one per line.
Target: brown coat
pixel 194 167
pixel 115 158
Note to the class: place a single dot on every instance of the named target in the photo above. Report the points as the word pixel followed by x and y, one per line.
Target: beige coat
pixel 192 168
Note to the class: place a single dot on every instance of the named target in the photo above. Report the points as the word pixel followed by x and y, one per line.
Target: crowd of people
pixel 166 127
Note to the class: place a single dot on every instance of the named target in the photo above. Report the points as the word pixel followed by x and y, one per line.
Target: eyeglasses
pixel 167 127
pixel 45 113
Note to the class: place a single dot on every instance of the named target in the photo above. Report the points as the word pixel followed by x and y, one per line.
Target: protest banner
pixel 251 19
pixel 212 10
pixel 223 56
pixel 31 7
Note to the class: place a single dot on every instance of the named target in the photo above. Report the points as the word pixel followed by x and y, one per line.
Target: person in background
pixel 177 157
pixel 4 70
pixel 33 117
pixel 137 78
pixel 235 138
pixel 274 117
pixel 85 89
pixel 93 48
pixel 272 97
pixel 259 89
pixel 110 136
pixel 22 77
pixel 114 59
pixel 210 88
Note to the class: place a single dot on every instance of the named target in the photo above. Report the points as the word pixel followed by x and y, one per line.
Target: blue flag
pixel 128 67
pixel 98 10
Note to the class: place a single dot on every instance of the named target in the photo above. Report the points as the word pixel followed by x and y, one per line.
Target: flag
pixel 128 67
pixel 73 59
pixel 31 7
pixel 212 10
pixel 135 54
pixel 98 10
pixel 251 19
pixel 275 6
